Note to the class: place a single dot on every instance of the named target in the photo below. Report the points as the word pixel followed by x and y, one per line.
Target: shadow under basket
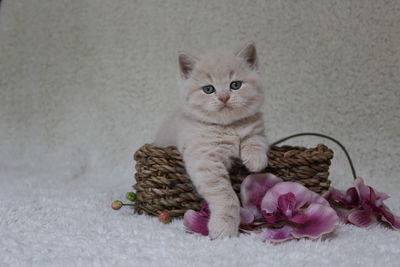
pixel 163 185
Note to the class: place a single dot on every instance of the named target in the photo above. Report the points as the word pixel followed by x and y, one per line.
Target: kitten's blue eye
pixel 235 85
pixel 208 89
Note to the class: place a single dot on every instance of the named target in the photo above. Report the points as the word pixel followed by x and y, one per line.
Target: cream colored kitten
pixel 219 119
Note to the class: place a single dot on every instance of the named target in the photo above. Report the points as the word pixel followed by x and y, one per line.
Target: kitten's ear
pixel 249 54
pixel 186 64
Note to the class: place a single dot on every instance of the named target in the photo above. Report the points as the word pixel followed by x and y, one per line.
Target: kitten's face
pixel 221 88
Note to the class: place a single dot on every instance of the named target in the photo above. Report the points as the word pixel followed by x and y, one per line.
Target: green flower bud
pixel 131 196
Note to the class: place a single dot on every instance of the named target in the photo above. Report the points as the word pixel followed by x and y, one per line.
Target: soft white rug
pixel 52 222
pixel 83 84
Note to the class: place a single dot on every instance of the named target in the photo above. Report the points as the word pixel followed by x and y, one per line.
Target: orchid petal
pixel 348 199
pixel 253 189
pixel 299 219
pixel 317 220
pixel 246 216
pixel 390 218
pixel 278 235
pixel 315 198
pixel 335 195
pixel 363 191
pixel 326 194
pixel 361 218
pixel 270 201
pixel 380 197
pixel 342 213
pixel 196 222
pixel 352 197
pixel 367 193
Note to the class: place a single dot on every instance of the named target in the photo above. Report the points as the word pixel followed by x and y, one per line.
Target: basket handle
pixel 323 136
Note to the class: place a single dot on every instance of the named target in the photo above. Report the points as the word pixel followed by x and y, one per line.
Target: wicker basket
pixel 163 185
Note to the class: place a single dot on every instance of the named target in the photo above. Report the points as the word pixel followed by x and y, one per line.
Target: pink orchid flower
pixel 288 210
pixel 365 204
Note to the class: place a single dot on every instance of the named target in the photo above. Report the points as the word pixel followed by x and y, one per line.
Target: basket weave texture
pixel 163 185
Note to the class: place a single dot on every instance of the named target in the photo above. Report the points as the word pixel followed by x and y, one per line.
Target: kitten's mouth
pixel 227 107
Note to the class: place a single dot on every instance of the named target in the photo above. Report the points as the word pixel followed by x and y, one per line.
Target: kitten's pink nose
pixel 224 99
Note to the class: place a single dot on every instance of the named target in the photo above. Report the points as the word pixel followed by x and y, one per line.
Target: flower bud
pixel 164 217
pixel 131 196
pixel 116 205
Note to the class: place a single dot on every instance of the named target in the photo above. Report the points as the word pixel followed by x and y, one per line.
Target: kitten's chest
pixel 233 135
pixel 218 136
pixel 205 137
pixel 228 135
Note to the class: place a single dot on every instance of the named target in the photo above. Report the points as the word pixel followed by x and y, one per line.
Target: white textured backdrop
pixel 83 84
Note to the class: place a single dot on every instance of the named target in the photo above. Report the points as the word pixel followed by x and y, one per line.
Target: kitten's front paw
pixel 255 159
pixel 223 226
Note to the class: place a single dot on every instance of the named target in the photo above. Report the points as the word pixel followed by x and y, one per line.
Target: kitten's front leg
pixel 253 152
pixel 211 179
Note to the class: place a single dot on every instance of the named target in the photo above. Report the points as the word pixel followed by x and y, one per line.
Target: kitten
pixel 218 119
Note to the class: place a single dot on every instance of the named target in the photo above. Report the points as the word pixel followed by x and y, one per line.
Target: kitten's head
pixel 221 87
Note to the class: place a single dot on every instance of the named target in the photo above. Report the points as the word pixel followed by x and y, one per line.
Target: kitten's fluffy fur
pixel 210 133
